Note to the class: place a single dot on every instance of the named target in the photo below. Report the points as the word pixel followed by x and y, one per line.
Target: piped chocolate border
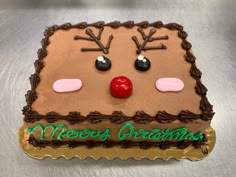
pixel 123 144
pixel 118 117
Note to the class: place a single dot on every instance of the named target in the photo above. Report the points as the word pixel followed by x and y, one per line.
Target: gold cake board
pixel 96 153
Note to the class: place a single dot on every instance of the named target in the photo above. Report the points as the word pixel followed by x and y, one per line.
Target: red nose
pixel 121 87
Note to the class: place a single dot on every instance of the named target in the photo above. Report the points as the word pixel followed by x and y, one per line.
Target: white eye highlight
pixel 100 58
pixel 140 57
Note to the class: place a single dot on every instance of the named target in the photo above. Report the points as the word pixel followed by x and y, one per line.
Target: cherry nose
pixel 121 87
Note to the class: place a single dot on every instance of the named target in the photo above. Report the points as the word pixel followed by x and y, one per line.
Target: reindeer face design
pixel 106 69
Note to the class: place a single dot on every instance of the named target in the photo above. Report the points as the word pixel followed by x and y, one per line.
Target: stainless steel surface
pixel 211 26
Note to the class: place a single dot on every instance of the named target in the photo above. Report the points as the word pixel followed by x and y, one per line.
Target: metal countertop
pixel 211 26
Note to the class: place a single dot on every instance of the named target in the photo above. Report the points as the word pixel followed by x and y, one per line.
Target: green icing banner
pixel 126 131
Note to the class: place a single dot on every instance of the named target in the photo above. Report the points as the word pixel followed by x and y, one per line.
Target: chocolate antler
pixel 96 39
pixel 148 38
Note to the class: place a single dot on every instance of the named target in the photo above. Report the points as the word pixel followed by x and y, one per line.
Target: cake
pixel 116 85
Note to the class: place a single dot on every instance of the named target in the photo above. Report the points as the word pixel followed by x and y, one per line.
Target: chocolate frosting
pixel 96 39
pixel 182 34
pixel 189 57
pixel 118 117
pixel 123 144
pixel 195 72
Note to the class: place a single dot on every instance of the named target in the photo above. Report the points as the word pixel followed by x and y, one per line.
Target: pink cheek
pixel 67 85
pixel 169 84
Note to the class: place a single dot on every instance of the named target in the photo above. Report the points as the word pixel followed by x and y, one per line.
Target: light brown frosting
pixel 65 60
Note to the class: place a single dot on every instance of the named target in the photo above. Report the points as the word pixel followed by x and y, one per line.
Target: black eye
pixel 103 63
pixel 142 63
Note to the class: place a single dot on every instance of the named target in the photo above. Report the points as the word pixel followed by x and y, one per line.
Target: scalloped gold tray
pixel 96 153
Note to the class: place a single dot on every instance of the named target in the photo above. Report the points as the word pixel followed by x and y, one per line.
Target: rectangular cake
pixel 116 84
